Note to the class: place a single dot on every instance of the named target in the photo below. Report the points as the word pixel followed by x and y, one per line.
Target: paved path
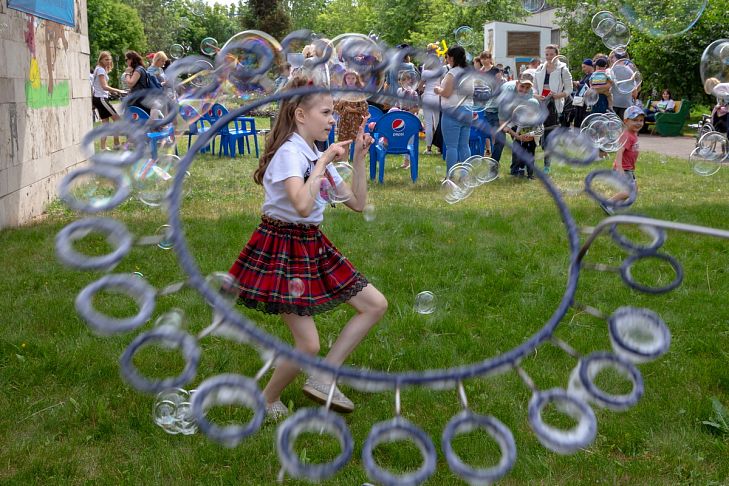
pixel 672 146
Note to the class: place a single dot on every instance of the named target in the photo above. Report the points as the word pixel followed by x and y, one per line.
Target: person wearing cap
pixel 627 156
pixel 578 102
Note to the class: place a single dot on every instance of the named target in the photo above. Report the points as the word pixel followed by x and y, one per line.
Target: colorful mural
pixel 53 94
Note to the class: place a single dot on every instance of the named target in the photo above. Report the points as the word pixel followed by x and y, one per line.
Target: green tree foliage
pixel 269 16
pixel 399 21
pixel 158 18
pixel 217 21
pixel 303 13
pixel 664 61
pixel 114 27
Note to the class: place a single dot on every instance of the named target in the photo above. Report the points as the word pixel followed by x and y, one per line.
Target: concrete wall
pixel 45 108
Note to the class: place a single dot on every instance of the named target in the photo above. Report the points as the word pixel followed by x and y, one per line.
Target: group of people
pixel 135 78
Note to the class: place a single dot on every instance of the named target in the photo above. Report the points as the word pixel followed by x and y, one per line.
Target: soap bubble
pixel 165 234
pixel 626 76
pixel 483 169
pixel 571 147
pixel 368 213
pixel 177 51
pixel 198 8
pixel 335 184
pixel 661 19
pixel 152 178
pixel 425 302
pixel 604 130
pixel 458 184
pixel 360 54
pixel 296 288
pixel 715 65
pixel 591 97
pixel 209 46
pixel 618 36
pixel 533 6
pixel 464 36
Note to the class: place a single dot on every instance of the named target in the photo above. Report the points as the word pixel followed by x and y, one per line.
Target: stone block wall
pixel 45 108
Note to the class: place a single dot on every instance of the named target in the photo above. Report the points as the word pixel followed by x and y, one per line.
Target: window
pixel 556 37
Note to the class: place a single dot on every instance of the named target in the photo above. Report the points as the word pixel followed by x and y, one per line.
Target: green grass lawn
pixel 497 263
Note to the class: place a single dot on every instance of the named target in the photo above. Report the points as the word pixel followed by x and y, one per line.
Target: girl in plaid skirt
pixel 288 266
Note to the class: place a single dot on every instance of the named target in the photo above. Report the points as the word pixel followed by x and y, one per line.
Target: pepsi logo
pixel 398 125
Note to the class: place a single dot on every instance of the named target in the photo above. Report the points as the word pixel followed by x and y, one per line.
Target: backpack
pixel 153 82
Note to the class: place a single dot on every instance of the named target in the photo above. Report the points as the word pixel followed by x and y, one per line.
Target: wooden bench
pixel 670 124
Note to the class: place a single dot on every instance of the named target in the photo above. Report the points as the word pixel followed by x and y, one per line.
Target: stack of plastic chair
pixel 138 115
pixel 235 132
pixel 395 133
pixel 195 125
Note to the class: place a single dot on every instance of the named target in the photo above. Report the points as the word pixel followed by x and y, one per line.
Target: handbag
pixel 578 101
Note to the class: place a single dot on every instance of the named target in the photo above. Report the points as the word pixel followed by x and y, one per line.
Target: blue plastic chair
pixel 242 128
pixel 401 129
pixel 375 113
pixel 196 125
pixel 137 115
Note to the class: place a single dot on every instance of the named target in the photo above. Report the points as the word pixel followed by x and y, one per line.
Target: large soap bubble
pixel 247 58
pixel 715 65
pixel 626 76
pixel 662 18
pixel 359 54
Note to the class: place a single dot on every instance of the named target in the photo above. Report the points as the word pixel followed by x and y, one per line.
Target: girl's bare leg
pixel 370 305
pixel 306 340
pixel 102 140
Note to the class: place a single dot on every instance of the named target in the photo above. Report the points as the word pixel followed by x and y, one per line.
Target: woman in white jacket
pixel 553 83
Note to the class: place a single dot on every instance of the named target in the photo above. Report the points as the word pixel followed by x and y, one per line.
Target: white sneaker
pixel 276 411
pixel 319 392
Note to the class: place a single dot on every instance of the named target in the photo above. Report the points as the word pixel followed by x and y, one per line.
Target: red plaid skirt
pixel 294 269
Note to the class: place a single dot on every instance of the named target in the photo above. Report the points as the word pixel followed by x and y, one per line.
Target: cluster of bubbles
pixel 614 33
pixel 604 131
pixel 711 151
pixel 624 73
pixel 464 177
pixel 173 413
pixel 710 154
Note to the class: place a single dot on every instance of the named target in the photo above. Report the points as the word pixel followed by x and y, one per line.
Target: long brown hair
pixel 284 125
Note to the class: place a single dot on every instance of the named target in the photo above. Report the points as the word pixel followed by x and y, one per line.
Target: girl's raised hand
pixel 337 151
pixel 363 140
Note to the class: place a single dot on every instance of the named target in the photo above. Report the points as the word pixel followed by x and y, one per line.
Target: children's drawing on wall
pixel 51 94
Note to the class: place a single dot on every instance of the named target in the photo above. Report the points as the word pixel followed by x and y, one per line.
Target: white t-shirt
pixel 295 158
pixel 462 89
pixel 98 91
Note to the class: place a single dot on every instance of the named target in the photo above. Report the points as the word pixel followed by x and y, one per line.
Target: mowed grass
pixel 497 263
